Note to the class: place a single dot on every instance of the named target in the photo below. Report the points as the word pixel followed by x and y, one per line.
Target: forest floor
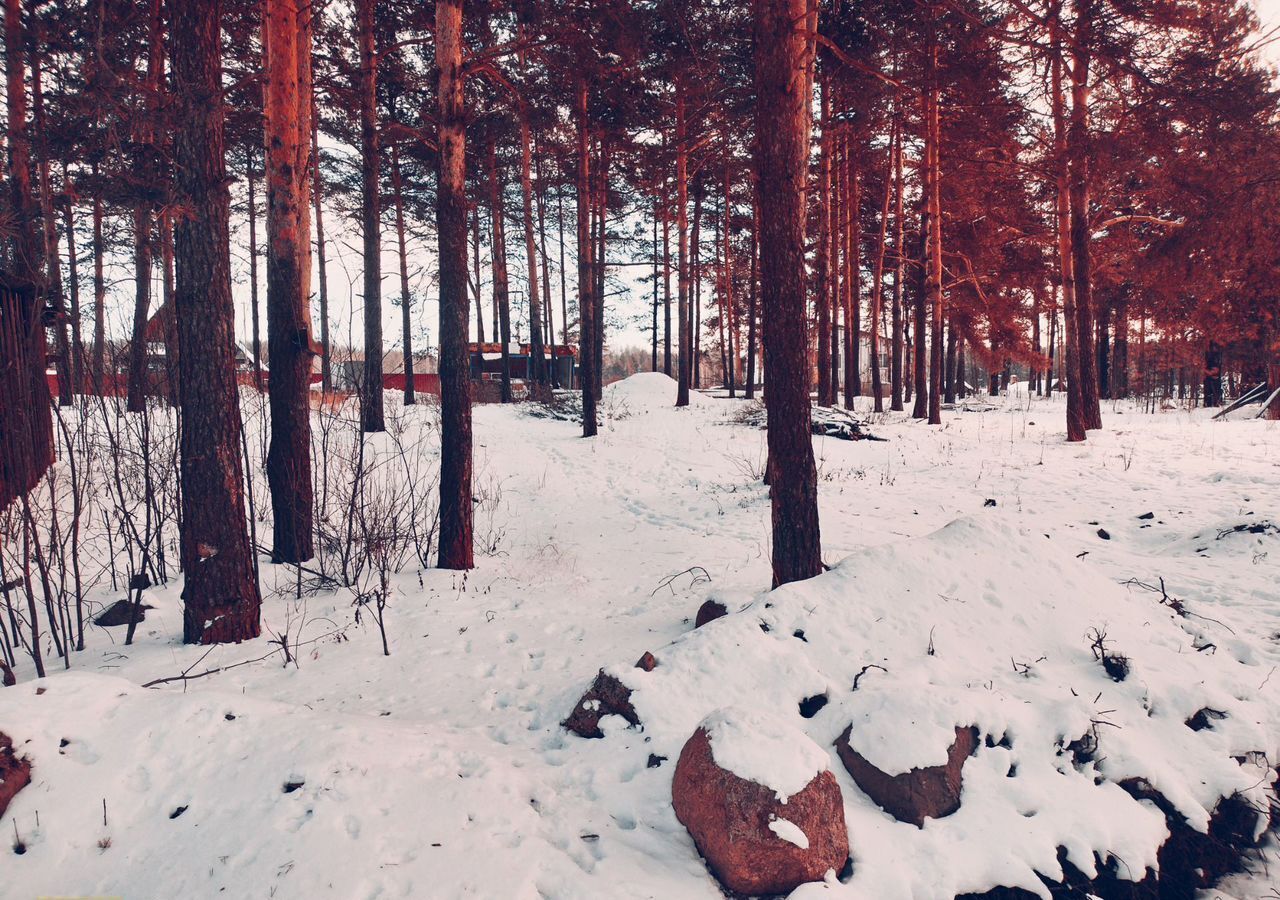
pixel 441 770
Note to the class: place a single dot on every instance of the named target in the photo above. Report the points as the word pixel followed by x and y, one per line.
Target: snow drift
pixel 980 624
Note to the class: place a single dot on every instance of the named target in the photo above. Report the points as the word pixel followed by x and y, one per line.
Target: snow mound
pixel 980 624
pixel 646 391
pixel 765 749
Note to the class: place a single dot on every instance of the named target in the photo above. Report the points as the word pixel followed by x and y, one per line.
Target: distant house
pixel 486 361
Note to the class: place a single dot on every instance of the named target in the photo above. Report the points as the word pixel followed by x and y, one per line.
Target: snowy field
pixel 973 566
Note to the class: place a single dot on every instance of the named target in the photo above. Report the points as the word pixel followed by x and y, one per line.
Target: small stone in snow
pixel 988 502
pixel 1147 515
pixel 709 612
pixel 655 760
pixel 1104 534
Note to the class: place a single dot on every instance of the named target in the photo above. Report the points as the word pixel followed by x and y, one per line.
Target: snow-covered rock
pixel 760 802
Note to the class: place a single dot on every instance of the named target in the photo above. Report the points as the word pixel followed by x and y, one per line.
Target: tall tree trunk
pixel 1078 156
pixel 836 261
pixel 666 282
pixel 53 261
pixel 695 306
pixel 854 295
pixel 553 370
pixel 475 274
pixel 317 202
pixel 949 379
pixel 290 346
pixel 685 354
pixel 1076 419
pixel 73 272
pixel 221 593
pixel 170 321
pixel 1120 347
pixel 784 60
pixel 586 275
pixel 1104 350
pixel 1036 347
pixel 919 352
pixel 753 286
pixel 877 285
pixel 653 365
pixel 899 248
pixel 406 301
pixel 535 374
pixel 144 174
pixel 456 550
pixel 599 260
pixel 501 292
pixel 99 290
pixel 371 408
pixel 255 313
pixel 822 259
pixel 933 274
pixel 142 262
pixel 30 451
pixel 1213 374
pixel 726 290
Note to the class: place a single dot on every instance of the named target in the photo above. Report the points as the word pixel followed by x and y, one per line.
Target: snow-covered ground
pixel 442 770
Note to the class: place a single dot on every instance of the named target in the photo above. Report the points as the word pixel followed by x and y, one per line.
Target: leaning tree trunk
pixel 371 411
pixel 782 79
pixel 220 592
pixel 451 227
pixel 290 347
pixel 586 277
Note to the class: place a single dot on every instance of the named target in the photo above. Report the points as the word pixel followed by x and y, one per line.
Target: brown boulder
pixel 709 612
pixel 648 662
pixel 606 696
pixel 753 842
pixel 7 678
pixel 931 792
pixel 15 772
